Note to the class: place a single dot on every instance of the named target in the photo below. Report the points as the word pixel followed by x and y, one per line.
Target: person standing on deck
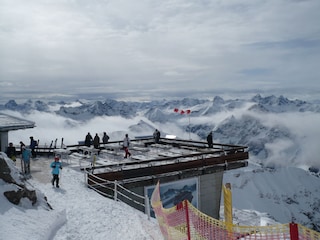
pixel 156 136
pixel 88 140
pixel 105 138
pixel 96 141
pixel 209 140
pixel 33 144
pixel 126 144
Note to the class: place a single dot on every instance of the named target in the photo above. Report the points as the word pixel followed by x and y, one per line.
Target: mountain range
pixel 233 121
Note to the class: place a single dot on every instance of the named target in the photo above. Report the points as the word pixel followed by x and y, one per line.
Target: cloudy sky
pixel 151 47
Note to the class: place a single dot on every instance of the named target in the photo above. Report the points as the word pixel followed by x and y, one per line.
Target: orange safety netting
pixel 184 221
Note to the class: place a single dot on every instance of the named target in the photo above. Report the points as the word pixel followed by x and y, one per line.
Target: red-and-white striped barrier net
pixel 184 221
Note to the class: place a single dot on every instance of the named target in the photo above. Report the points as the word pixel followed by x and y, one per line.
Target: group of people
pixel 156 136
pixel 89 141
pixel 96 140
pixel 105 139
pixel 27 152
pixel 126 142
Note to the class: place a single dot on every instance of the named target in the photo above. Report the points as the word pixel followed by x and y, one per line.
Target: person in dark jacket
pixel 209 140
pixel 56 166
pixel 96 141
pixel 105 138
pixel 21 146
pixel 126 144
pixel 88 140
pixel 33 144
pixel 11 152
pixel 156 136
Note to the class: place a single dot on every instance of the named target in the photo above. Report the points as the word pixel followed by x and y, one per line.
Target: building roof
pixel 8 123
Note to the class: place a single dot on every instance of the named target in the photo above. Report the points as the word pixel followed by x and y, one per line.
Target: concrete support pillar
pixel 210 194
pixel 3 141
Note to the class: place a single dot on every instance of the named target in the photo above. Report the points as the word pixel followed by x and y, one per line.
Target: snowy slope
pixel 78 213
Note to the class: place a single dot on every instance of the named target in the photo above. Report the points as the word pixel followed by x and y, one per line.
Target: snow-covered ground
pixel 81 213
pixel 78 212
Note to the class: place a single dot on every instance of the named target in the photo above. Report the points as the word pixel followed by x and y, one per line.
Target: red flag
pixel 188 111
pixel 182 112
pixel 176 110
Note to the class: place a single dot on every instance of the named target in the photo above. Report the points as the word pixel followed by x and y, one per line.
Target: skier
pixel 56 166
pixel 126 143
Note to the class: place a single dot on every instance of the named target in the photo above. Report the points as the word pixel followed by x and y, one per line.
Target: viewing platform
pixel 185 158
pixel 166 156
pixel 172 162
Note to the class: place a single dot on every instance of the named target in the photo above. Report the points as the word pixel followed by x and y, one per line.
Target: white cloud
pixel 50 127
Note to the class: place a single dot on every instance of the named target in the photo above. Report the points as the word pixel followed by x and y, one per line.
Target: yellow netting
pixel 184 221
pixel 307 234
pixel 228 206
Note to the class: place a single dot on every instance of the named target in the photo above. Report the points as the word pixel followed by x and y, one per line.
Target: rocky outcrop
pixel 15 196
pixel 20 190
pixel 5 173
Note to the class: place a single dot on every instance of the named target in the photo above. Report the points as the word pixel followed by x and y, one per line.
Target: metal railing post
pixel 85 177
pixel 115 190
pixel 147 206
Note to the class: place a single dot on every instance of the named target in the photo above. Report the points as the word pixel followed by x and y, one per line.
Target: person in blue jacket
pixel 26 154
pixel 56 166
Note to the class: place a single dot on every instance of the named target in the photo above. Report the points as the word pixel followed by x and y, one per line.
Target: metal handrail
pixel 104 184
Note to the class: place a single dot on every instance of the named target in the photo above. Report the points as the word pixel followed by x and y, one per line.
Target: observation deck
pixel 168 159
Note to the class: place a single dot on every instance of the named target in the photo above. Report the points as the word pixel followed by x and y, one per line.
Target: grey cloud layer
pixel 92 46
